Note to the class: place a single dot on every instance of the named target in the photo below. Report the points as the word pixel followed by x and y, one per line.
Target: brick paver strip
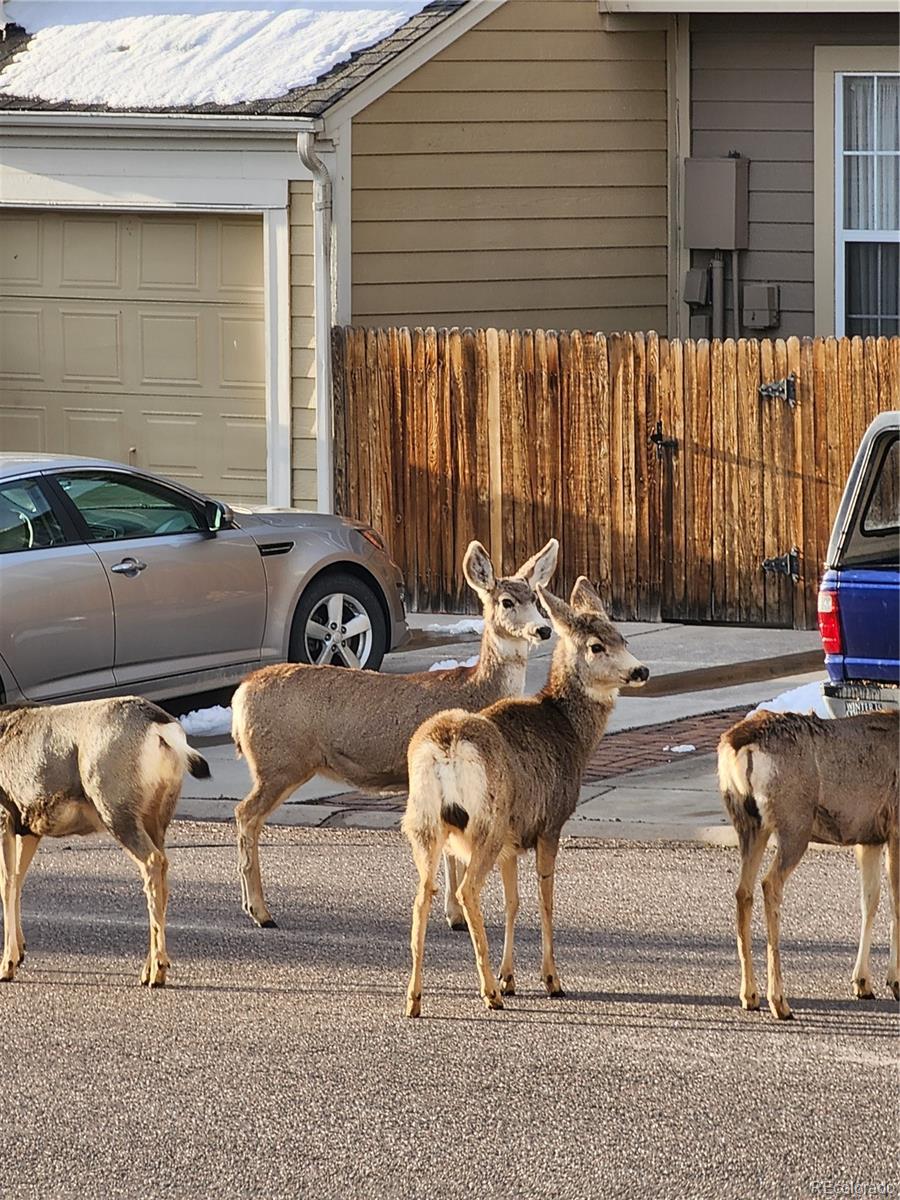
pixel 618 754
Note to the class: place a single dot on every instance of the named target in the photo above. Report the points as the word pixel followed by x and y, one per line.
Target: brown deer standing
pixel 70 769
pixel 806 780
pixel 292 721
pixel 494 784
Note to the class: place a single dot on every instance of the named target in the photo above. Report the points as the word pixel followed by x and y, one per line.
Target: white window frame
pixel 842 235
pixel 829 62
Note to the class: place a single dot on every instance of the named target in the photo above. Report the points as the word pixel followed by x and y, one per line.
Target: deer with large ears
pixel 292 721
pixel 489 786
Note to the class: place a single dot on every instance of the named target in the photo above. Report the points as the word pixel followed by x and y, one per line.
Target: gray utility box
pixel 716 195
pixel 760 306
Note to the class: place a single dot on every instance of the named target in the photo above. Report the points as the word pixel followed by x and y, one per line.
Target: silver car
pixel 115 580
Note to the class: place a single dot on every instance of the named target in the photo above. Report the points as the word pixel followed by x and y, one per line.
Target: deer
pixel 492 785
pixel 293 721
pixel 113 766
pixel 811 780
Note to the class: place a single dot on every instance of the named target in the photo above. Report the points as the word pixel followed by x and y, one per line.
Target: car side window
pixel 27 521
pixel 882 513
pixel 115 507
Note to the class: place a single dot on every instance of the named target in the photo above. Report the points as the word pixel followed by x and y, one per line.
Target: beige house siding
pixel 752 91
pixel 517 179
pixel 303 349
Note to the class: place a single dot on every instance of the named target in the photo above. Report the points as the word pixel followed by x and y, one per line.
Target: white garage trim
pixel 276 242
pixel 177 167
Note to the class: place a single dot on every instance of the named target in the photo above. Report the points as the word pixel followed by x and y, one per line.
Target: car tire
pixel 319 635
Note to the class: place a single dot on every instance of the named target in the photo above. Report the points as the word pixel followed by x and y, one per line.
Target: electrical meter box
pixel 716 195
pixel 761 305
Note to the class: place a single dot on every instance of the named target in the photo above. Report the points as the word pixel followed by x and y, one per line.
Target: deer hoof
pixel 508 985
pixel 414 1006
pixel 457 924
pixel 894 985
pixel 493 1001
pixel 862 989
pixel 268 924
pixel 750 1003
pixel 554 990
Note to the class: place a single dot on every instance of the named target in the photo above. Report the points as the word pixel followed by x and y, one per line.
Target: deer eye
pixel 597 647
pixel 507 603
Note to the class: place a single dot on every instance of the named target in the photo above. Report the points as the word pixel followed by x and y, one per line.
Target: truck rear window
pixel 881 514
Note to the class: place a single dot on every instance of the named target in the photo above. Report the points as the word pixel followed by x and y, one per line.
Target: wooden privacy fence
pixel 667 475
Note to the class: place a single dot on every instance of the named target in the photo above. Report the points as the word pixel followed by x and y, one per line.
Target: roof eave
pixel 757 6
pixel 14 120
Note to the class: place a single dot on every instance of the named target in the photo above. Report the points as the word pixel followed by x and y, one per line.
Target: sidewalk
pixel 634 788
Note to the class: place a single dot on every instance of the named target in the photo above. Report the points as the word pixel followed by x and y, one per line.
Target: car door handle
pixel 129 566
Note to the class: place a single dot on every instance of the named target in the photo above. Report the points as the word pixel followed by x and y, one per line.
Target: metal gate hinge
pixel 782 389
pixel 661 442
pixel 785 564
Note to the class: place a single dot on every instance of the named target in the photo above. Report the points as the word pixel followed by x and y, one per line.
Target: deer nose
pixel 639 675
pixel 544 632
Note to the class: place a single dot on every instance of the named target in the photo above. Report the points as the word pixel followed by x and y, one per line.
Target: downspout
pixel 324 312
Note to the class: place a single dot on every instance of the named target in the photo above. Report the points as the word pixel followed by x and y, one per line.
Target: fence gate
pixel 692 480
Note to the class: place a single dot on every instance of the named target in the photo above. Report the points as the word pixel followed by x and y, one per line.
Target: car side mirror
pixel 217 514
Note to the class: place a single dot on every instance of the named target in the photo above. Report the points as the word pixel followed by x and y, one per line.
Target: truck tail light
pixel 830 622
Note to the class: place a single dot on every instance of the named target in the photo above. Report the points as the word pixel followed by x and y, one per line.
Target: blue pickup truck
pixel 859 597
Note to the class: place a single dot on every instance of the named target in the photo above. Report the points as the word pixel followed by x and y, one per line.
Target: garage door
pixel 137 338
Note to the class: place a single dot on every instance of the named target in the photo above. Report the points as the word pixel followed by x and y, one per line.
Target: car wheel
pixel 339 622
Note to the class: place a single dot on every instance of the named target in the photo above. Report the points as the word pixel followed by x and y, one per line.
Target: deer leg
pixel 8 876
pixel 788 855
pixel 546 865
pixel 250 815
pixel 893 865
pixel 452 910
pixel 426 854
pixel 868 859
pixel 25 846
pixel 753 843
pixel 469 893
pixel 509 873
pixel 128 829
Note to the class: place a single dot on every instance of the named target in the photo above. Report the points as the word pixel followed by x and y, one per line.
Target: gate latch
pixel 782 389
pixel 785 564
pixel 661 442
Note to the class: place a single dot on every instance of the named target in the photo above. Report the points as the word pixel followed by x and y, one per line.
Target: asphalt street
pixel 277 1062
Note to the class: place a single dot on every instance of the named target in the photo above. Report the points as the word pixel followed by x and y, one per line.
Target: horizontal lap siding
pixel 752 91
pixel 518 178
pixel 303 350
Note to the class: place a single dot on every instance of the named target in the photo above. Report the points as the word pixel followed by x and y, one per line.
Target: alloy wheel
pixel 338 632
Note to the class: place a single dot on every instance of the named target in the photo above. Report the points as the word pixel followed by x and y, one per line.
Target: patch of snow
pixel 467 625
pixel 687 748
pixel 172 53
pixel 447 664
pixel 805 699
pixel 207 722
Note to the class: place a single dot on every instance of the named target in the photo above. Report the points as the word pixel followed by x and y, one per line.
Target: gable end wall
pixel 517 179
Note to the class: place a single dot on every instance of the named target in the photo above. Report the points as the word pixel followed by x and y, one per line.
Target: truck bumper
pixel 851 699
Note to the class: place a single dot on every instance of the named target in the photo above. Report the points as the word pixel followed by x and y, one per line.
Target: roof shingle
pixel 311 100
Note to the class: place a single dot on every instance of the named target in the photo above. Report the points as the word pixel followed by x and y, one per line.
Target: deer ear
pixel 561 616
pixel 477 568
pixel 585 597
pixel 540 567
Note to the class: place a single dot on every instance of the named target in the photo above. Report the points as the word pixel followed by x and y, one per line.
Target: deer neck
pixel 588 709
pixel 502 663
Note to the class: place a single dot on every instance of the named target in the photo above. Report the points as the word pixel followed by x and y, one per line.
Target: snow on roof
pixel 173 53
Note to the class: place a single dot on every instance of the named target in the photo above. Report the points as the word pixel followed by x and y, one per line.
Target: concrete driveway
pixel 277 1064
